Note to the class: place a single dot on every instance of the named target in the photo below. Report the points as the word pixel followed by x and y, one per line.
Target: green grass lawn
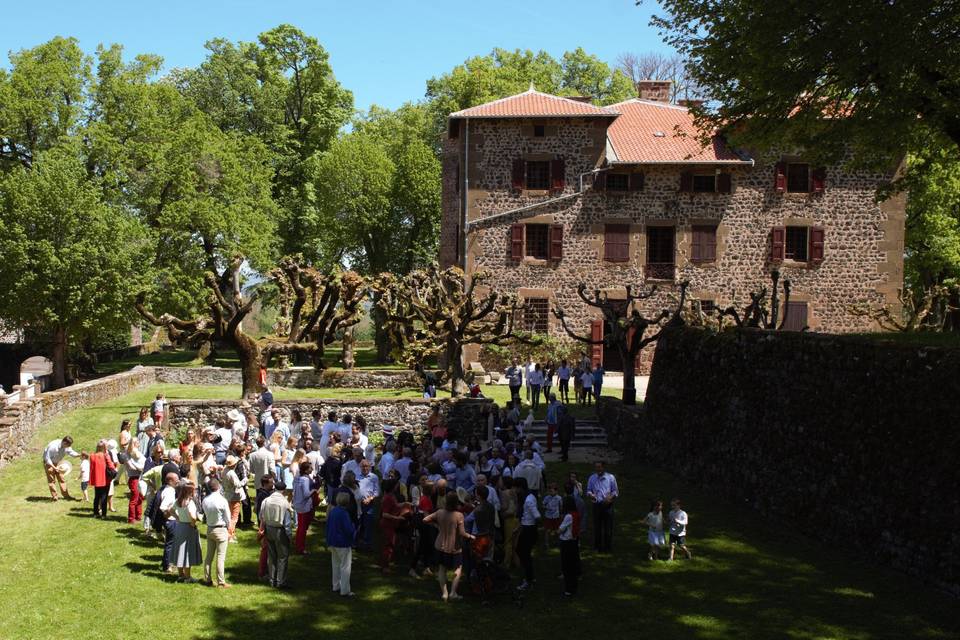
pixel 65 575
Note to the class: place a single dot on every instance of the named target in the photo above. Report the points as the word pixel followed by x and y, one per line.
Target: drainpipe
pixel 466 193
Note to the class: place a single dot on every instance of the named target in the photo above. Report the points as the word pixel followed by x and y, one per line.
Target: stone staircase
pixel 588 434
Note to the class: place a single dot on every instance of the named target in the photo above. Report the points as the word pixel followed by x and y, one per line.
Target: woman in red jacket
pixel 99 463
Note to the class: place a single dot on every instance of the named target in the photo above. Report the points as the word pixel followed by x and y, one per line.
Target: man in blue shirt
pixel 368 488
pixel 598 382
pixel 553 419
pixel 464 476
pixel 602 492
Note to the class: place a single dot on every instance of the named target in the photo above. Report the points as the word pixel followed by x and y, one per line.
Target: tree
pixel 72 263
pixel 658 66
pixel 587 75
pixel 335 300
pixel 932 183
pixel 758 314
pixel 823 76
pixel 435 312
pixel 628 327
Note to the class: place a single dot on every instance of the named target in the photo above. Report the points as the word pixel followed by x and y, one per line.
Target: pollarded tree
pixel 435 312
pixel 758 314
pixel 335 300
pixel 629 328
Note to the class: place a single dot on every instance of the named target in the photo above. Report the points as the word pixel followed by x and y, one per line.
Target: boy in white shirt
pixel 551 514
pixel 678 528
pixel 84 474
pixel 586 382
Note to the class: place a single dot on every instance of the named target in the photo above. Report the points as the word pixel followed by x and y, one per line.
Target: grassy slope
pixel 66 575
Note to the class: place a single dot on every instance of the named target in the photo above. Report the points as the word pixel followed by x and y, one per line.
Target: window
pixel 538 241
pixel 660 252
pixel 538 174
pixel 708 306
pixel 616 243
pixel 706 183
pixel 703 247
pixel 538 131
pixel 618 182
pixel 796 244
pixel 795 316
pixel 535 316
pixel 798 177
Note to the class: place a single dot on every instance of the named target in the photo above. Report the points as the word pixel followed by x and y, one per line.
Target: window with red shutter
pixel 596 335
pixel 516 242
pixel 558 174
pixel 816 244
pixel 537 241
pixel 778 243
pixel 616 243
pixel 517 179
pixel 780 177
pixel 704 243
pixel 556 242
pixel 686 181
pixel 797 244
pixel 637 181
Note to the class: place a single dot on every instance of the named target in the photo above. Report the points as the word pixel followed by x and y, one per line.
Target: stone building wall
pixel 468 416
pixel 20 422
pixel 854 446
pixel 294 378
pixel 863 239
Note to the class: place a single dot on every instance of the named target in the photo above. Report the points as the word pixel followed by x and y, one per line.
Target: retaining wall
pixel 294 378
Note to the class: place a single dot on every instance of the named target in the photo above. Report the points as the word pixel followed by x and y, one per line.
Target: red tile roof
pixel 656 132
pixel 532 103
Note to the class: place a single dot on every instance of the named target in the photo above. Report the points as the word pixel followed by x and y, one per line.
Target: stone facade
pixel 855 447
pixel 467 416
pixel 294 378
pixel 863 239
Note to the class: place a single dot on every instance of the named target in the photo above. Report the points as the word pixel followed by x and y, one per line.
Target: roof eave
pixel 460 116
pixel 746 163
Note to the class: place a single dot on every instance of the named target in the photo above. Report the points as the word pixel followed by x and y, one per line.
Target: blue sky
pixel 383 51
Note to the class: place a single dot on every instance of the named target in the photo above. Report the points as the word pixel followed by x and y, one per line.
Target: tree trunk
pixel 347 354
pixel 458 385
pixel 248 352
pixel 59 357
pixel 629 396
pixel 381 338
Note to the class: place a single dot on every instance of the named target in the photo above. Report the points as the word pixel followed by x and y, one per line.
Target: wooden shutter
pixel 724 183
pixel 518 173
pixel 686 181
pixel 780 177
pixel 795 316
pixel 558 174
pixel 696 244
pixel 556 242
pixel 600 181
pixel 596 350
pixel 778 244
pixel 616 243
pixel 816 244
pixel 818 180
pixel 636 181
pixel 709 244
pixel 516 241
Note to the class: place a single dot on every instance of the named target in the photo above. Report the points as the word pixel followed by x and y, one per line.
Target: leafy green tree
pixel 933 219
pixel 72 263
pixel 880 71
pixel 587 75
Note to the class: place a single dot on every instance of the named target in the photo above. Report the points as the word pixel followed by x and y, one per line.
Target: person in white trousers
pixel 341 535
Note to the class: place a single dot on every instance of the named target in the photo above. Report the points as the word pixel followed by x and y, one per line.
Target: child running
pixel 654 522
pixel 84 475
pixel 678 529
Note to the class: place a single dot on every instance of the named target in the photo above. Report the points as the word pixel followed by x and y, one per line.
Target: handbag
pixel 111 473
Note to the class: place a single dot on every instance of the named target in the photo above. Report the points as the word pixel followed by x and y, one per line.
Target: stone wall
pixel 863 239
pixel 20 422
pixel 849 440
pixel 468 416
pixel 294 378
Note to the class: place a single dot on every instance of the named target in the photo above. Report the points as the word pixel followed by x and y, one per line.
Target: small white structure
pixel 37 368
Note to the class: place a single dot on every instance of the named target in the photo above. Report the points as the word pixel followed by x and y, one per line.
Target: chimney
pixel 690 104
pixel 655 90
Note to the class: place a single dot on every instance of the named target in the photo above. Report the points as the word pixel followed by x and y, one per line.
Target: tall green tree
pixel 933 219
pixel 72 263
pixel 880 71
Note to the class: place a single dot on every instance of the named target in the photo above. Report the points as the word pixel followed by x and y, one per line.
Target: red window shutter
pixel 780 177
pixel 556 242
pixel 709 243
pixel 686 181
pixel 724 183
pixel 596 333
pixel 616 243
pixel 558 174
pixel 696 246
pixel 816 244
pixel 519 167
pixel 516 241
pixel 600 181
pixel 818 180
pixel 778 243
pixel 636 181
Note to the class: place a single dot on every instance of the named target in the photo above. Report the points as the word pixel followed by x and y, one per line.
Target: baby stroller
pixel 487 578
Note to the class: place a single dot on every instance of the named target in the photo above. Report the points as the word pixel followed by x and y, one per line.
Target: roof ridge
pixel 533 90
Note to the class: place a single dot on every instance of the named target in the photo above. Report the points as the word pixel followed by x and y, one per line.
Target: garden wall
pixel 852 441
pixel 467 415
pixel 294 378
pixel 20 421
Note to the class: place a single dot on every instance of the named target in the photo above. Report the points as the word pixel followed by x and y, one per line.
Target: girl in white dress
pixel 655 537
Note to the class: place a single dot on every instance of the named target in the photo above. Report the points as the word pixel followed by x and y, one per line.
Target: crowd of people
pixel 473 509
